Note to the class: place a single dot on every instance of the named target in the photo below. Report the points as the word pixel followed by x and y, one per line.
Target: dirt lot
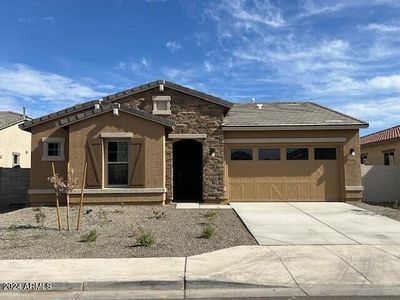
pixel 32 233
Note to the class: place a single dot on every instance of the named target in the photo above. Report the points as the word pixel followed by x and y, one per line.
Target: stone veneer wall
pixel 192 115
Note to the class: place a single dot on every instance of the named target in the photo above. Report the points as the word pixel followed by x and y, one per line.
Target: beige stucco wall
pixel 76 136
pixel 153 133
pixel 13 139
pixel 375 152
pixel 351 170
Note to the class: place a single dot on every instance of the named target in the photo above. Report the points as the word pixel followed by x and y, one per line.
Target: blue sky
pixel 343 54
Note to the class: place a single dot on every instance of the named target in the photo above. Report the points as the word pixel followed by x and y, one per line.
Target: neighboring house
pixel 381 148
pixel 15 144
pixel 162 142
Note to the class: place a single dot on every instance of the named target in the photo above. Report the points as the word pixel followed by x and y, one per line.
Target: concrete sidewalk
pixel 238 272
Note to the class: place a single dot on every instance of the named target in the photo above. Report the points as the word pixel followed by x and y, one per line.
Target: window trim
pixel 299 147
pixel 46 141
pixel 266 148
pixel 18 159
pixel 106 163
pixel 241 148
pixel 389 153
pixel 327 147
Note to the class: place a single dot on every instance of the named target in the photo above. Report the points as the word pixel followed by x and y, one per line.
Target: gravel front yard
pixel 384 209
pixel 177 232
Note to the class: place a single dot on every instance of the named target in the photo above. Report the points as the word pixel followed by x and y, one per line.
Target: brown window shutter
pixel 94 156
pixel 137 163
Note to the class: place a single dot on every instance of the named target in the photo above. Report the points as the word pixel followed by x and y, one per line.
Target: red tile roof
pixel 383 135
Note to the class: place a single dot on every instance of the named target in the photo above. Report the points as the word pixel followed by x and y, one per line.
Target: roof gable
pixel 380 136
pixel 171 85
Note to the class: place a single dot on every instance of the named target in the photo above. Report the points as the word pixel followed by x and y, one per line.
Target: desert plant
pixel 145 238
pixel 36 208
pixel 396 204
pixel 208 231
pixel 158 214
pixel 63 186
pixel 102 214
pixel 212 215
pixel 90 237
pixel 40 216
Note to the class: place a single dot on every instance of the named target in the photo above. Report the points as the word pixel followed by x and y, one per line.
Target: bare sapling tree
pixel 63 186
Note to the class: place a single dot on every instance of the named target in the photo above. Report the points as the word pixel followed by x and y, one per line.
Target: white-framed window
pixel 117 163
pixel 16 157
pixel 161 105
pixel 53 149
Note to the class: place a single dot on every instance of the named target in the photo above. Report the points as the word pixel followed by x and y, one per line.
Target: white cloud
pixel 121 65
pixel 178 74
pixel 246 14
pixel 173 46
pixel 208 66
pixel 22 80
pixel 383 27
pixel 351 86
pixel 9 104
pixel 49 19
pixel 379 113
pixel 145 62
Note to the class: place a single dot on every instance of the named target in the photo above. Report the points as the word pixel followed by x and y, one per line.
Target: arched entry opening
pixel 187 170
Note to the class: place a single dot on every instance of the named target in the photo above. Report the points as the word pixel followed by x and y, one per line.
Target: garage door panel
pixel 283 180
pixel 277 191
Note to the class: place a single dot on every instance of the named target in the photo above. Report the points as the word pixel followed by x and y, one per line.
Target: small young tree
pixel 64 186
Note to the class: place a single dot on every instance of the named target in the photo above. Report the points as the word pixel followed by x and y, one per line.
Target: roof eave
pixel 66 122
pixel 293 127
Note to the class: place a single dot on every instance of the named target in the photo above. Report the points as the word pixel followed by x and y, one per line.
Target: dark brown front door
pixel 188 170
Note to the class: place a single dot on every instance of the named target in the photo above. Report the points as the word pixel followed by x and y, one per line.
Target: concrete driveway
pixel 305 223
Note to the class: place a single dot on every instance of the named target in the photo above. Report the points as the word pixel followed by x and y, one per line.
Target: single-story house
pixel 162 142
pixel 382 147
pixel 15 144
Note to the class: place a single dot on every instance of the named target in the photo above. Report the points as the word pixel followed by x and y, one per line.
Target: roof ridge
pixel 170 84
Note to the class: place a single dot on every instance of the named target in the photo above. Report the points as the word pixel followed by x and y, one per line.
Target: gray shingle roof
pixel 9 118
pixel 72 109
pixel 287 114
pixel 106 107
pixel 171 85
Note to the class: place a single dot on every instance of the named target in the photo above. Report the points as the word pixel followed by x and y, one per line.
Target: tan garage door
pixel 284 173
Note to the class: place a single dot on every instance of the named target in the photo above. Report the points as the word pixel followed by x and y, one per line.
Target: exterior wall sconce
pixel 212 152
pixel 352 152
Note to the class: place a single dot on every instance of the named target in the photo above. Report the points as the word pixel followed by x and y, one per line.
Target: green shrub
pixel 212 215
pixel 90 237
pixel 396 204
pixel 40 215
pixel 158 214
pixel 145 238
pixel 208 231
